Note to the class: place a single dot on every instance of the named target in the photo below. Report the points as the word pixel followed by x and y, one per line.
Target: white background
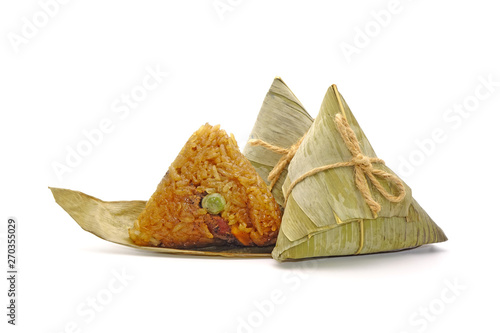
pixel 67 76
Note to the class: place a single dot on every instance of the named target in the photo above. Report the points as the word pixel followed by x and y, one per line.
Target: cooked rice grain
pixel 209 162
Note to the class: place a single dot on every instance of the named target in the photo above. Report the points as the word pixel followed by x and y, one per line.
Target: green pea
pixel 214 203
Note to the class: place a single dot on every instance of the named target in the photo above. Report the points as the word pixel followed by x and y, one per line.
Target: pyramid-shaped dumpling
pixel 211 195
pixel 333 204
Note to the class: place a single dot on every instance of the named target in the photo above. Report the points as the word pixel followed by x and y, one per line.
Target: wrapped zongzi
pixel 340 197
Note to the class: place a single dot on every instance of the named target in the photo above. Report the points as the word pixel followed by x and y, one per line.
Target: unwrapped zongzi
pixel 211 195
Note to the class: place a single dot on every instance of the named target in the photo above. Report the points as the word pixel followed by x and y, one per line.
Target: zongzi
pixel 211 195
pixel 340 197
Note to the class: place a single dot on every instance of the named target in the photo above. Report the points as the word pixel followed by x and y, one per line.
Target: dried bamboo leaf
pixel 326 214
pixel 110 221
pixel 281 122
pixel 380 235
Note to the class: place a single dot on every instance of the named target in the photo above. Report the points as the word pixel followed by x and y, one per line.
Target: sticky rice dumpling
pixel 211 195
pixel 341 199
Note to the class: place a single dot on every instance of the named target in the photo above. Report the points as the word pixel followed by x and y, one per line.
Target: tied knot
pixel 363 162
pixel 363 169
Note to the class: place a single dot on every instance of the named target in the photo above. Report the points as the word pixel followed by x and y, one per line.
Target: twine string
pixel 288 154
pixel 363 167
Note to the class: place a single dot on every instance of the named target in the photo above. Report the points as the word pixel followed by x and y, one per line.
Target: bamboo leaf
pixel 110 220
pixel 281 122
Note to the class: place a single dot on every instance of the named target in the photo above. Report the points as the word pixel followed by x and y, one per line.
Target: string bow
pixel 363 169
